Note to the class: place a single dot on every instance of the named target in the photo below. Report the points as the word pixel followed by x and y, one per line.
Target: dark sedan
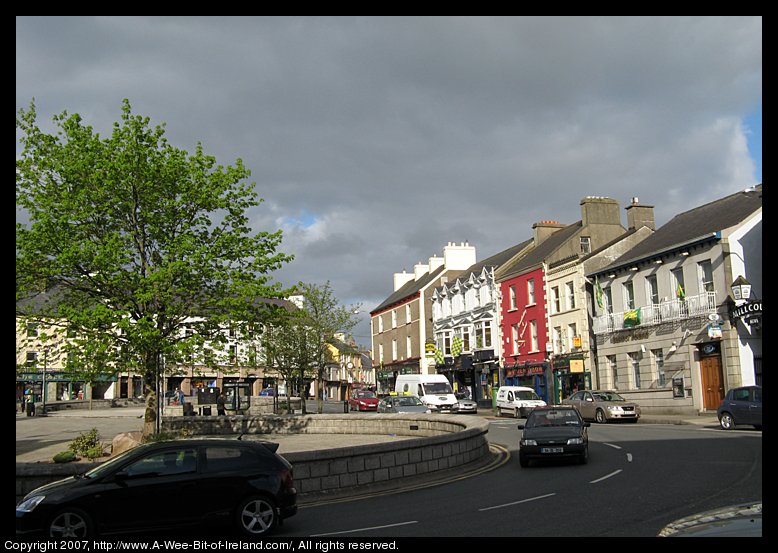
pixel 402 404
pixel 166 485
pixel 554 432
pixel 741 405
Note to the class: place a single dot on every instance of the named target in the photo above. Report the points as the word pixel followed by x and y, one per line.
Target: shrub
pixel 85 442
pixel 167 435
pixel 94 452
pixel 65 457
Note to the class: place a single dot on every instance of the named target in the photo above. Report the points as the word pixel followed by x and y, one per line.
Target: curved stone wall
pixel 435 443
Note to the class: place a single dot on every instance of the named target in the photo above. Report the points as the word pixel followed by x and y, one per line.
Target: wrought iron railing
pixel 654 314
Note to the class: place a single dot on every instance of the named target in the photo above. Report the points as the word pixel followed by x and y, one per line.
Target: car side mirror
pixel 520 427
pixel 589 399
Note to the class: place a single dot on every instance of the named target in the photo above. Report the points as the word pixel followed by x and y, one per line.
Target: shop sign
pixel 750 312
pixel 714 331
pixel 576 366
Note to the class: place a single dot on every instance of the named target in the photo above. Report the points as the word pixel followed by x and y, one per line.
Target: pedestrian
pixel 220 401
pixel 180 396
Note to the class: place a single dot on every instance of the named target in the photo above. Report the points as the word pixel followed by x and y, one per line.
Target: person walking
pixel 220 402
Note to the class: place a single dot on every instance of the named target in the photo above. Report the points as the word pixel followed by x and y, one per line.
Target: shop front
pixel 530 374
pixel 570 375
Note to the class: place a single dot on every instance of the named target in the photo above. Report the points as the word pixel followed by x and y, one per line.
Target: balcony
pixel 663 312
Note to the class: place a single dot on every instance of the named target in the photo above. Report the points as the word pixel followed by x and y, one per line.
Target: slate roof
pixel 496 260
pixel 539 253
pixel 694 225
pixel 410 288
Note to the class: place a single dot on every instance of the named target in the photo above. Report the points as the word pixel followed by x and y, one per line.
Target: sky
pixel 375 141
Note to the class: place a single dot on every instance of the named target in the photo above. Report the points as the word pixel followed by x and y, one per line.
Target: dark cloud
pixel 392 136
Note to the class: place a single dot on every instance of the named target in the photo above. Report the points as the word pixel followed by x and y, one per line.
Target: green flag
pixel 598 292
pixel 679 293
pixel 632 318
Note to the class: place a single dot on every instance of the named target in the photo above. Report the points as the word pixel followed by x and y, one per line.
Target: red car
pixel 363 400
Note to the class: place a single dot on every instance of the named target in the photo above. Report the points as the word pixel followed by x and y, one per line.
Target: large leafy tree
pixel 138 237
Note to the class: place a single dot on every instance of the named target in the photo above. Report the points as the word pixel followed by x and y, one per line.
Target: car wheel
pixel 257 516
pixel 726 421
pixel 523 461
pixel 71 523
pixel 585 456
pixel 599 416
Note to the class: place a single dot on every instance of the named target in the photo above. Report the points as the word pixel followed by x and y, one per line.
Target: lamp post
pixel 741 289
pixel 43 390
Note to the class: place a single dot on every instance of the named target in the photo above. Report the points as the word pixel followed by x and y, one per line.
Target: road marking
pixel 629 457
pixel 367 528
pixel 614 446
pixel 614 473
pixel 516 502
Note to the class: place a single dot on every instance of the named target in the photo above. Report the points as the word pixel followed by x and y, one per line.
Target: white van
pixel 517 400
pixel 434 391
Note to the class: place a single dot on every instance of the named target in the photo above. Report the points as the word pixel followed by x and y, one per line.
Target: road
pixel 639 478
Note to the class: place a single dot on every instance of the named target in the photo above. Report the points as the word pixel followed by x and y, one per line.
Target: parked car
pixel 741 405
pixel 166 485
pixel 603 406
pixel 402 404
pixel 363 400
pixel 554 432
pixel 466 405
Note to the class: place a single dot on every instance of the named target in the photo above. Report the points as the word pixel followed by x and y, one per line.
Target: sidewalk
pixel 38 439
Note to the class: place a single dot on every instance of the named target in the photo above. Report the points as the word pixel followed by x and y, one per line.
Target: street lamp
pixel 741 289
pixel 45 361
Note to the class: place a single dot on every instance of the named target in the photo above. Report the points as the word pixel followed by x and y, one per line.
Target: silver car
pixel 402 404
pixel 603 406
pixel 466 405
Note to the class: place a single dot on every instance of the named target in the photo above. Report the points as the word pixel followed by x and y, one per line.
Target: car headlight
pixel 528 442
pixel 428 411
pixel 30 503
pixel 614 408
pixel 575 441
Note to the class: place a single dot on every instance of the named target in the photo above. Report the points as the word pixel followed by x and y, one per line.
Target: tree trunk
pixel 150 384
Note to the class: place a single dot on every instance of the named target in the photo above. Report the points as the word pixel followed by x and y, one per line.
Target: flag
pixel 456 346
pixel 598 292
pixel 632 318
pixel 679 293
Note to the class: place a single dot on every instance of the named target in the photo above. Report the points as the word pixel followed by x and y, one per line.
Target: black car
pixel 741 405
pixel 554 432
pixel 166 485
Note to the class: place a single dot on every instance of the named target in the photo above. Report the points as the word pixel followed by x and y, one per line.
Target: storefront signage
pixel 576 366
pixel 750 312
pixel 714 331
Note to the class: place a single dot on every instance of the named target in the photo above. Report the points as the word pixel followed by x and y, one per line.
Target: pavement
pixel 38 439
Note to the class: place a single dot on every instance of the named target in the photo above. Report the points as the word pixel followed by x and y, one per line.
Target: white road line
pixel 629 457
pixel 366 529
pixel 614 473
pixel 516 502
pixel 614 446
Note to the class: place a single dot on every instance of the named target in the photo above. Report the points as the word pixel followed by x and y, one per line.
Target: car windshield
pixel 556 417
pixel 365 394
pixel 437 388
pixel 526 394
pixel 608 396
pixel 409 401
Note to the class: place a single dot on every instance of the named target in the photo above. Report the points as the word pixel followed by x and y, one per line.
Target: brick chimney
pixel 544 229
pixel 640 215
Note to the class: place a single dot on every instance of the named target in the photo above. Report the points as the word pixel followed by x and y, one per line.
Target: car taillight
pixel 287 479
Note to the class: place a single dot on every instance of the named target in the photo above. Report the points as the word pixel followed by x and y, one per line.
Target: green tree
pixel 139 237
pixel 325 317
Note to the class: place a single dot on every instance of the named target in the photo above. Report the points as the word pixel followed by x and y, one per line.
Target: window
pixel 555 299
pixel 608 299
pixel 659 360
pixel 447 343
pixel 572 332
pixel 613 371
pixel 706 276
pixel 512 292
pixel 652 290
pixel 394 318
pixel 233 354
pixel 531 291
pixel 380 323
pixel 32 358
pixel 483 334
pixel 32 330
pixel 570 292
pixel 380 353
pixel 407 313
pixel 556 335
pixel 466 338
pixel 394 349
pixel 533 325
pixel 677 284
pixel 408 346
pixel 220 459
pixel 634 359
pixel 515 337
pixel 586 244
pixel 629 296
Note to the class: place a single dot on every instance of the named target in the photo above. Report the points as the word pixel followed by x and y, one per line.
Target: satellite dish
pixel 713 317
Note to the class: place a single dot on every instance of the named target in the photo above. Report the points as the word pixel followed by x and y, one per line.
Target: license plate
pixel 552 449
